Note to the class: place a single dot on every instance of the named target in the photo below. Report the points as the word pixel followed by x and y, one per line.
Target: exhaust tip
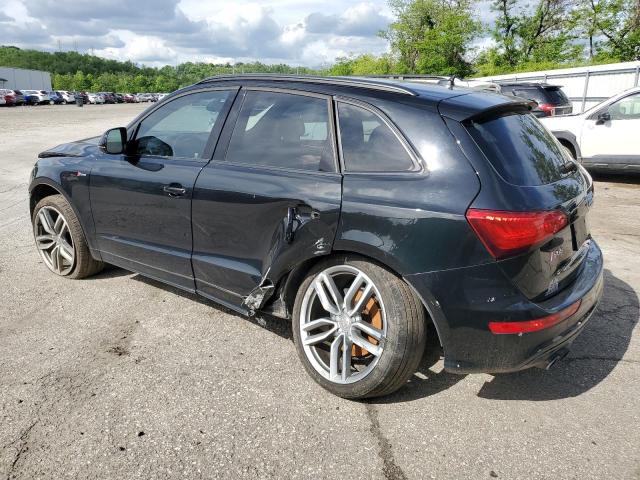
pixel 558 356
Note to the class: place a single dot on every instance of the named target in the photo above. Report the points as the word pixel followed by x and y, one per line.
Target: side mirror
pixel 603 117
pixel 114 141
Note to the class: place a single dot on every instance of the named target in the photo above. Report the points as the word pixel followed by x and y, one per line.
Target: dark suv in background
pixel 359 209
pixel 551 99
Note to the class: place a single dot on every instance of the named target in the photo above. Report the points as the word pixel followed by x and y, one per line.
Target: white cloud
pixel 154 32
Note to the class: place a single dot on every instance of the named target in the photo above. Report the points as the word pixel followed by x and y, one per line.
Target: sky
pixel 160 32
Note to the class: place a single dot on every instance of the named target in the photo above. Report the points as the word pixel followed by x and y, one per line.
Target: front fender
pixel 68 176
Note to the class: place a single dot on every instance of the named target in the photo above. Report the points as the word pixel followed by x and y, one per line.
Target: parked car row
pixel 9 97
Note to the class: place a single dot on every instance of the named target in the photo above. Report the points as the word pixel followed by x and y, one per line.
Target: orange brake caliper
pixel 371 310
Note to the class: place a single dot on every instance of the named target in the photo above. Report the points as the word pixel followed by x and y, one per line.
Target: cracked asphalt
pixel 118 376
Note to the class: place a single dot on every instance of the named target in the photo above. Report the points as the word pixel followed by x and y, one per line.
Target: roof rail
pixel 401 76
pixel 359 82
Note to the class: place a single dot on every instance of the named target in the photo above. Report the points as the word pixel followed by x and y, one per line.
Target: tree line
pixel 438 37
pixel 443 37
pixel 83 72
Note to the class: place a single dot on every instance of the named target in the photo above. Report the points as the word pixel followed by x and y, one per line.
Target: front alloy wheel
pixel 60 239
pixel 358 328
pixel 54 240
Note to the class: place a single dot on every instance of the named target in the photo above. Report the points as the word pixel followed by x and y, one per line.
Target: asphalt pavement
pixel 118 376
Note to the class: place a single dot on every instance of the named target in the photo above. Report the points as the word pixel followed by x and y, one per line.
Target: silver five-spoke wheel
pixel 54 240
pixel 343 324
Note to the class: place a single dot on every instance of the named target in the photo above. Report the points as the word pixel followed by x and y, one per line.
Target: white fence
pixel 585 86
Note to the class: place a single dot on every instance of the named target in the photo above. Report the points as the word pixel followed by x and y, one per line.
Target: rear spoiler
pixel 477 107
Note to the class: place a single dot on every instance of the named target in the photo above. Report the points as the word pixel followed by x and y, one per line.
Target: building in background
pixel 585 86
pixel 21 79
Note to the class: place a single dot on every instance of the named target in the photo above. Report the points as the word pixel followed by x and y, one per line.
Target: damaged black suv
pixel 360 209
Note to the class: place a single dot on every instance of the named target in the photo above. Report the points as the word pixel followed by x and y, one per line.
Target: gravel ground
pixel 118 376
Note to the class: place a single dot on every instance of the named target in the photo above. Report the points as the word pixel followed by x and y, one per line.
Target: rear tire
pixel 384 336
pixel 60 239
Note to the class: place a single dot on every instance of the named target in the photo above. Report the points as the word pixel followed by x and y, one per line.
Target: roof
pixel 458 103
pixel 429 91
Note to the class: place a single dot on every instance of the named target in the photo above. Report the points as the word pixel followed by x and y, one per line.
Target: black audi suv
pixel 360 209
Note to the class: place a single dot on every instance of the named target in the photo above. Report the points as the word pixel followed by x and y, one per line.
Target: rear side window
pixel 283 130
pixel 368 144
pixel 520 149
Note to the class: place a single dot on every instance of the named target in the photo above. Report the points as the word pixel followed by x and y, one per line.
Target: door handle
pixel 174 190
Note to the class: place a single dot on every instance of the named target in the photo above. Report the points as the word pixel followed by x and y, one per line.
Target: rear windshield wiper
pixel 568 167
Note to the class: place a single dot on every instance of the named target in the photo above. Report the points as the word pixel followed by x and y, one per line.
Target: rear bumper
pixel 462 302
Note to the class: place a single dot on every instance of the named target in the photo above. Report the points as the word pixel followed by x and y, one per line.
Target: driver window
pixel 181 128
pixel 627 108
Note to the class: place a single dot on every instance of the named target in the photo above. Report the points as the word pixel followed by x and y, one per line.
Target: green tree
pixel 366 64
pixel 532 36
pixel 617 23
pixel 433 36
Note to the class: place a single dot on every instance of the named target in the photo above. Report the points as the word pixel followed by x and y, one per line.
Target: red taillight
pixel 547 108
pixel 501 328
pixel 509 233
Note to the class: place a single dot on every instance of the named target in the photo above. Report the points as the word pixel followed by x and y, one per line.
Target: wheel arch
pixel 43 187
pixel 289 283
pixel 41 190
pixel 568 140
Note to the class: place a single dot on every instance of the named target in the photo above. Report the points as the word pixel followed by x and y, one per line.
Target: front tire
pixel 60 240
pixel 353 306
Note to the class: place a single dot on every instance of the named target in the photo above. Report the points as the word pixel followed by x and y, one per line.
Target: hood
pixel 79 148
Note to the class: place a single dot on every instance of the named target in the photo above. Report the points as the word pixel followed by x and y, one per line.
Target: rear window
pixel 552 95
pixel 520 149
pixel 556 96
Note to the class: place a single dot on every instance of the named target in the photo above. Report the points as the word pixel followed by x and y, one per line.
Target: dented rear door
pixel 269 200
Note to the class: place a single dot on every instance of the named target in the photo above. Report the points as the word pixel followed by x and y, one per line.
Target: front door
pixel 614 141
pixel 270 198
pixel 141 202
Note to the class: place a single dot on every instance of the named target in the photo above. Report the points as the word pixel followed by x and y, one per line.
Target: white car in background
pixel 67 97
pixel 38 97
pixel 96 98
pixel 605 137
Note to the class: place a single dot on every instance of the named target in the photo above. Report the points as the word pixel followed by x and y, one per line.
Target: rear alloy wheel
pixel 60 239
pixel 359 329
